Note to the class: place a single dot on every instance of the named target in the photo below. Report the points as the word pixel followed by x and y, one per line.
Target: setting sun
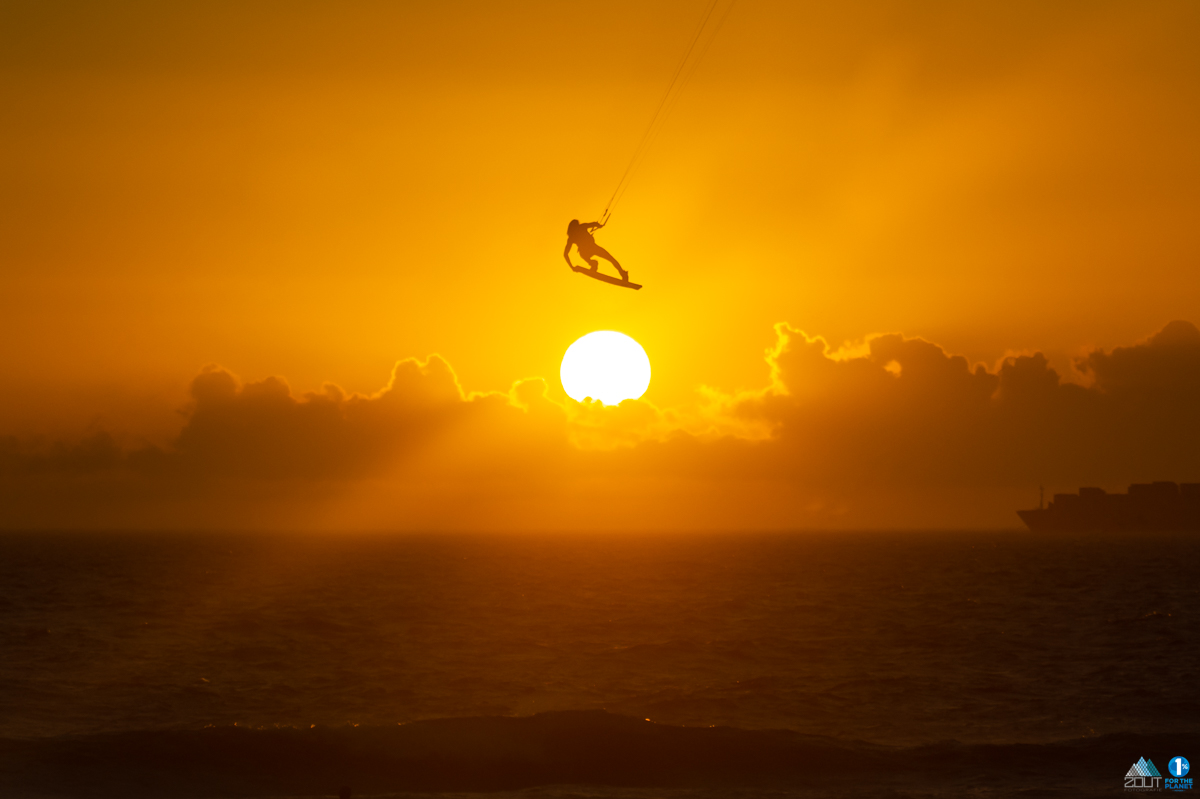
pixel 605 365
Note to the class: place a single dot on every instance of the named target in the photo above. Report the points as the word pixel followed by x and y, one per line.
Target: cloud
pixel 260 430
pixel 1165 367
pixel 97 452
pixel 908 413
pixel 894 432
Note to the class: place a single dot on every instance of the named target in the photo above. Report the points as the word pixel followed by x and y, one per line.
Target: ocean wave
pixel 498 753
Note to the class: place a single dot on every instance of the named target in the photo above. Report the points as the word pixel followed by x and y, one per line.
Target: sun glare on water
pixel 607 366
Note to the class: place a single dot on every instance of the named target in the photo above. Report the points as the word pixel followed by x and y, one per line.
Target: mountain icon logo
pixel 1143 776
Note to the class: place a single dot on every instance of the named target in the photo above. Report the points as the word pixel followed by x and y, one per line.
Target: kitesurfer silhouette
pixel 580 235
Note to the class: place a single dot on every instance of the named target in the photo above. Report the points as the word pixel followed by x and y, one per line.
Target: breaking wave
pixel 593 748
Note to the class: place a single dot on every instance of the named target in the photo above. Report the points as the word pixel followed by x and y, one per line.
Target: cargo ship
pixel 1147 506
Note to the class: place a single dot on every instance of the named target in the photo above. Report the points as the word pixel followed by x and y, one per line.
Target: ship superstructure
pixel 1147 506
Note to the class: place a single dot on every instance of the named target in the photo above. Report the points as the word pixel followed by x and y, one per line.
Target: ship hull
pixel 1037 519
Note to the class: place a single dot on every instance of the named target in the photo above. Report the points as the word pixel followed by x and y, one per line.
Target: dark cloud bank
pixel 901 434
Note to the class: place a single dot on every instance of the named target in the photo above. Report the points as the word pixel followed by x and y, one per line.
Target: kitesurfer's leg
pixel 588 254
pixel 606 255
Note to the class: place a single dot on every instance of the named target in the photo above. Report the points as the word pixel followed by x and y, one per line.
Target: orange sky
pixel 319 191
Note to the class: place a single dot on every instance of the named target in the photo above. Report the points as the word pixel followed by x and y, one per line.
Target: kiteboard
pixel 616 281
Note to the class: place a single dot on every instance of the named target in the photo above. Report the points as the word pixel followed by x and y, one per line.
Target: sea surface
pixel 840 664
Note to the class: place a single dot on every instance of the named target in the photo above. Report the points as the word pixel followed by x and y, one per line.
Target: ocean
pixel 900 663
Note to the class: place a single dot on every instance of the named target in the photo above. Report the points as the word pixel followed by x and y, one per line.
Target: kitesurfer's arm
pixel 567 255
pixel 593 226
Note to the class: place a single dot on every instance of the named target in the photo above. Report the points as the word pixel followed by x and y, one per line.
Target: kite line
pixel 687 66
